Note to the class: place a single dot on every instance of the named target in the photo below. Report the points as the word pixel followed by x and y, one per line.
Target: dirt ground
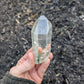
pixel 67 17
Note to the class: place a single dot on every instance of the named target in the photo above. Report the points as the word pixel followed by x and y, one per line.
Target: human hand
pixel 27 69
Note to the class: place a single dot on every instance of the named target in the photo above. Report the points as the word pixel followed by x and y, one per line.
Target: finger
pixel 35 76
pixel 51 56
pixel 26 65
pixel 42 68
pixel 38 65
pixel 40 50
pixel 27 76
pixel 22 59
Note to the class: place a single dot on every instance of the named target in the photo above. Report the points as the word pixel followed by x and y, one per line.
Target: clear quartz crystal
pixel 41 39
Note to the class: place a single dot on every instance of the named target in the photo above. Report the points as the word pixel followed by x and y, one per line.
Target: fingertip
pixel 30 54
pixel 51 56
pixel 40 49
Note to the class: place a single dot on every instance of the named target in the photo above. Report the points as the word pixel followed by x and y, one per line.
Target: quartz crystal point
pixel 41 39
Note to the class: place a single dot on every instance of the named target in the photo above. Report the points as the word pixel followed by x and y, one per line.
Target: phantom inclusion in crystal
pixel 41 39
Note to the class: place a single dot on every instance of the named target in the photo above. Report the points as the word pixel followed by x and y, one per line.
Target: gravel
pixel 67 17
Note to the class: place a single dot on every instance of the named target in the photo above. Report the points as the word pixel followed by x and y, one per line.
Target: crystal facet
pixel 41 39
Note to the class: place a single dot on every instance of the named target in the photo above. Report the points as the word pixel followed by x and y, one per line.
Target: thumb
pixel 25 66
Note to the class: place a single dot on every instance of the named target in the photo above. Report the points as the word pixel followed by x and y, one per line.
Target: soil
pixel 67 17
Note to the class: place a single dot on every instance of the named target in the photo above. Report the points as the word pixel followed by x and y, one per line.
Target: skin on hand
pixel 41 51
pixel 27 69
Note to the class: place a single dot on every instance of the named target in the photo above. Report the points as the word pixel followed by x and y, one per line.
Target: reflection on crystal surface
pixel 41 39
pixel 42 26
